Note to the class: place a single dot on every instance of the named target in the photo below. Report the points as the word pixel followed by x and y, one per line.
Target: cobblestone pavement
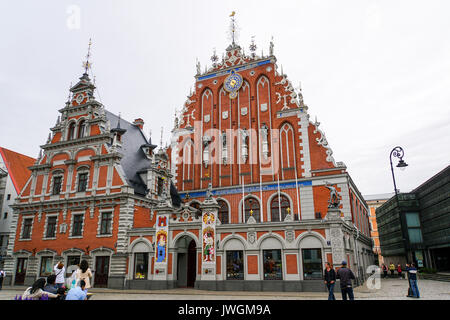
pixel 390 289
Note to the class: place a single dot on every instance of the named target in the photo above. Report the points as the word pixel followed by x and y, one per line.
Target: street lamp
pixel 398 152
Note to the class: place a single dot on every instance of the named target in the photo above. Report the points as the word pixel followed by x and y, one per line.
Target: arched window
pixel 81 129
pixel 279 204
pixel 223 212
pixel 251 208
pixel 71 134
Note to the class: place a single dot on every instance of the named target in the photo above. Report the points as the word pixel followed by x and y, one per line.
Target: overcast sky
pixel 375 73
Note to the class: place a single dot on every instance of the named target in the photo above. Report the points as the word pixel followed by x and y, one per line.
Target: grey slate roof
pixel 134 159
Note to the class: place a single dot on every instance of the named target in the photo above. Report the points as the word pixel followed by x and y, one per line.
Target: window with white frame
pixel 50 227
pixel 106 223
pixel 27 226
pixel 77 225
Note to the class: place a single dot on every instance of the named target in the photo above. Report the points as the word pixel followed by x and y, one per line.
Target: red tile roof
pixel 17 165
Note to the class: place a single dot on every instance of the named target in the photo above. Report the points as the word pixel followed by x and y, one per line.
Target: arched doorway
pixel 186 262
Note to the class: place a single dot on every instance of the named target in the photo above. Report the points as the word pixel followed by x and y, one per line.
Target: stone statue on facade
pixel 334 201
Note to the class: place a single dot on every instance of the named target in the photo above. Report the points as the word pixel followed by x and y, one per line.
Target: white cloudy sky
pixel 375 73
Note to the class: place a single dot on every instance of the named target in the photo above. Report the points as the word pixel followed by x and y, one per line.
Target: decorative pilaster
pixel 161 241
pixel 210 209
pixel 336 236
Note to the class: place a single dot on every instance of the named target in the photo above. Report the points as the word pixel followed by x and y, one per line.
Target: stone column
pixel 336 236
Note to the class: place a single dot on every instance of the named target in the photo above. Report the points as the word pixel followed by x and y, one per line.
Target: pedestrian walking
pixel 346 275
pixel 2 276
pixel 385 270
pixel 399 270
pixel 392 268
pixel 412 276
pixel 60 271
pixel 329 278
pixel 84 273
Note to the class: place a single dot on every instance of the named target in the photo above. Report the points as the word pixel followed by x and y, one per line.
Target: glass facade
pixel 235 265
pixel 312 263
pixel 413 224
pixel 272 265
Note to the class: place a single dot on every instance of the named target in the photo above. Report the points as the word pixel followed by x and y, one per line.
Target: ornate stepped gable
pixel 257 106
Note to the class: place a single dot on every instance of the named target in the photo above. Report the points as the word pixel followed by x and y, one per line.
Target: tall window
pixel 77 225
pixel 46 266
pixel 105 226
pixel 414 231
pixel 223 212
pixel 27 224
pixel 235 265
pixel 279 204
pixel 81 129
pixel 51 227
pixel 272 265
pixel 140 265
pixel 251 208
pixel 160 186
pixel 312 263
pixel 57 182
pixel 82 181
pixel 71 135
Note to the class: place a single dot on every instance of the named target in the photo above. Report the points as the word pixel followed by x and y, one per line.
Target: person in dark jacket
pixel 346 275
pixel 329 278
pixel 51 285
pixel 412 276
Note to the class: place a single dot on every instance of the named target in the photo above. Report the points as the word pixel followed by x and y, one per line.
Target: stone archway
pixel 186 262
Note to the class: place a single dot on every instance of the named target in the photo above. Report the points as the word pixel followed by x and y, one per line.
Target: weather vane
pixel 233 30
pixel 87 64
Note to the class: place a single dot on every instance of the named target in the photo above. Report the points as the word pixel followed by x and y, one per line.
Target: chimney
pixel 139 123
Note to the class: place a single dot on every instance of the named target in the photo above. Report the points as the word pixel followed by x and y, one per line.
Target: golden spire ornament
pixel 87 64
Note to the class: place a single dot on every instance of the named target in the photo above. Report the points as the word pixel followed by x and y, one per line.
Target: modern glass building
pixel 415 226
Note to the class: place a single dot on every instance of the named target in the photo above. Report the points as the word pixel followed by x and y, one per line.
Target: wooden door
pixel 191 264
pixel 21 270
pixel 101 272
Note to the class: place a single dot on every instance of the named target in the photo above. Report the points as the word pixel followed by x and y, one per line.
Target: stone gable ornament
pixel 251 237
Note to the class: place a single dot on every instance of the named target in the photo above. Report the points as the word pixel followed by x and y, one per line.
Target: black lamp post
pixel 398 152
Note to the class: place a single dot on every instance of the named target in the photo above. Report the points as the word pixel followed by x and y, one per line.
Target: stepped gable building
pixel 246 197
pixel 96 178
pixel 244 138
pixel 14 174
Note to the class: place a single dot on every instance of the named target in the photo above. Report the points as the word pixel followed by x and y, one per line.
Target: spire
pixel 233 32
pixel 118 129
pixel 87 64
pixel 253 47
pixel 233 28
